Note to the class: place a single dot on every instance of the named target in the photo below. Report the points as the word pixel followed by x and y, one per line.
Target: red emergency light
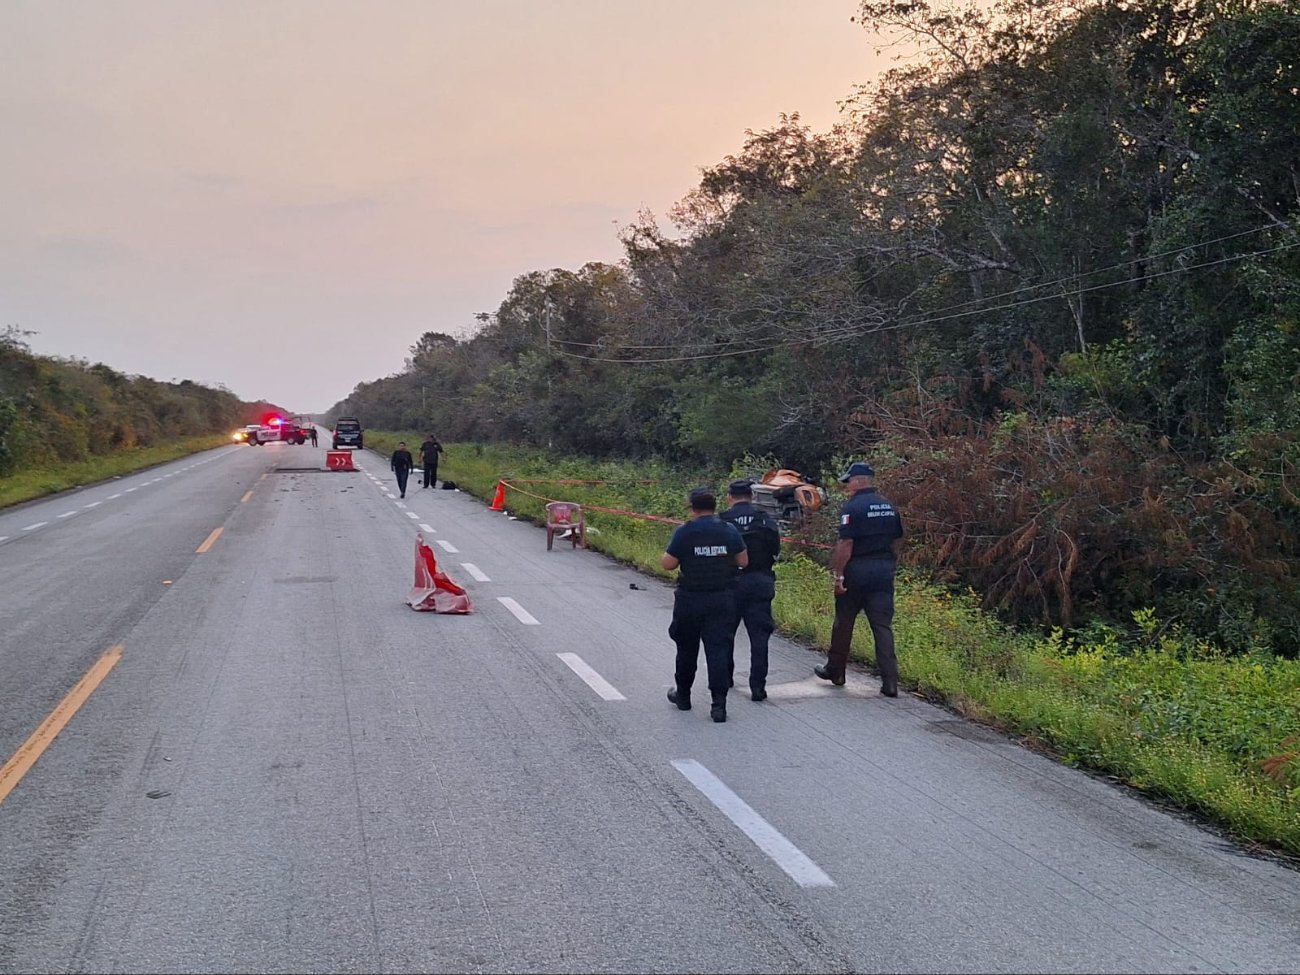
pixel 272 420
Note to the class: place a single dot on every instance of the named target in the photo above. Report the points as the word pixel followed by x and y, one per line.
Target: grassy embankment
pixel 1216 735
pixel 26 485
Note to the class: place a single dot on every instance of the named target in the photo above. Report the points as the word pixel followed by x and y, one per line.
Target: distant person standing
pixel 755 584
pixel 862 566
pixel 707 552
pixel 429 451
pixel 401 463
pixel 313 435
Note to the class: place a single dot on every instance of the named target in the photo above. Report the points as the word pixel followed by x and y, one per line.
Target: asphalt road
pixel 276 766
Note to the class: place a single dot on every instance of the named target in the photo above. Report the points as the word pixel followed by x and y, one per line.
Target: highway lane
pixel 288 770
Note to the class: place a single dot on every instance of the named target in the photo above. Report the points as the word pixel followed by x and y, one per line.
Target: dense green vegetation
pixel 67 422
pixel 1151 705
pixel 1046 276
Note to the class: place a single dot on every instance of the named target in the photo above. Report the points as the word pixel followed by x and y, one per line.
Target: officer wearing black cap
pixel 863 566
pixel 755 586
pixel 707 551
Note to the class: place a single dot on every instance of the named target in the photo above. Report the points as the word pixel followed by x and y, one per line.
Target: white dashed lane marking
pixel 113 496
pixel 592 679
pixel 478 574
pixel 412 514
pixel 94 504
pixel 446 546
pixel 39 524
pixel 521 614
pixel 67 514
pixel 426 528
pixel 766 837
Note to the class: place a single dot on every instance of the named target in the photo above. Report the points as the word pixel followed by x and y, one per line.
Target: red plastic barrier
pixel 339 460
pixel 434 592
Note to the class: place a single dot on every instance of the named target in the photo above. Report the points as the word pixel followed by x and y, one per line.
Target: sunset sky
pixel 281 196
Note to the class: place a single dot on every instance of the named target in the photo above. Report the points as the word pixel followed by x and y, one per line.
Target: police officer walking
pixel 401 463
pixel 863 566
pixel 755 585
pixel 429 451
pixel 707 551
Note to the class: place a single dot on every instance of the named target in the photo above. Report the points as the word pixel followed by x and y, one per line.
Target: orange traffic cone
pixel 499 502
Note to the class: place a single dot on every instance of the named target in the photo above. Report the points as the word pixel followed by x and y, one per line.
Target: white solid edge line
pixel 766 837
pixel 446 546
pixel 426 528
pixel 589 676
pixel 521 614
pixel 478 574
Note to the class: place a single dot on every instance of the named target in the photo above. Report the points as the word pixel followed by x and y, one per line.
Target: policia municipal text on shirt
pixel 707 552
pixel 863 566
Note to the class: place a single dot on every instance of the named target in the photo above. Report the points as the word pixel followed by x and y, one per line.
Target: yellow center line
pixel 209 541
pixel 247 495
pixel 13 770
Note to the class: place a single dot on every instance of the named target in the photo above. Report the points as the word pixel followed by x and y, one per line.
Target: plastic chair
pixel 565 516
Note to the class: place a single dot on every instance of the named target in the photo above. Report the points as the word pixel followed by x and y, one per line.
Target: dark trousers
pixel 878 604
pixel 431 474
pixel 708 617
pixel 402 474
pixel 754 593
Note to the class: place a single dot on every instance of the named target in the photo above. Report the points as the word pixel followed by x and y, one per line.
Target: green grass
pixel 26 485
pixel 1212 734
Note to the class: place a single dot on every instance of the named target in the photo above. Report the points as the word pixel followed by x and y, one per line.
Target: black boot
pixel 719 710
pixel 680 698
pixel 824 672
pixel 757 692
pixel 889 686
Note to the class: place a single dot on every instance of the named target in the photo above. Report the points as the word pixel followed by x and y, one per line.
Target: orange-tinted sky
pixel 280 196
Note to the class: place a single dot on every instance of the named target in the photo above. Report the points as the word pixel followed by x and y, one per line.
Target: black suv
pixel 347 432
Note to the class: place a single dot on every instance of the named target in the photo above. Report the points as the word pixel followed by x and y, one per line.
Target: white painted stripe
pixel 766 837
pixel 597 683
pixel 401 504
pixel 427 528
pixel 412 514
pixel 113 497
pixel 446 546
pixel 67 514
pixel 521 614
pixel 94 504
pixel 389 493
pixel 3 537
pixel 478 574
pixel 128 490
pixel 39 524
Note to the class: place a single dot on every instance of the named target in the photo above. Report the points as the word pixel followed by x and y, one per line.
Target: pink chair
pixel 565 516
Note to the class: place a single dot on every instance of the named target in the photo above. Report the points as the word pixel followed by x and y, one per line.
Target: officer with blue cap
pixel 707 551
pixel 863 565
pixel 755 586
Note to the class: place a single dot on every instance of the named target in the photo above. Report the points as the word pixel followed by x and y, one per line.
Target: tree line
pixel 55 411
pixel 1045 273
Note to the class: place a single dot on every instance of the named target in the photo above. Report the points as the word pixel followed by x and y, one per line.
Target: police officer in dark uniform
pixel 755 586
pixel 863 565
pixel 707 551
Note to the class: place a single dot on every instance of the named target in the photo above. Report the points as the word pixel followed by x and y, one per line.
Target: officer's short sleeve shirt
pixel 706 550
pixel 872 523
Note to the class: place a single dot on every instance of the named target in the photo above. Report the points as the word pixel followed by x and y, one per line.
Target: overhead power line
pixel 836 335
